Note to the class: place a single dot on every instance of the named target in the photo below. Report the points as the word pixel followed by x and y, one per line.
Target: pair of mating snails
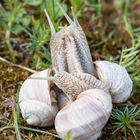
pixel 76 94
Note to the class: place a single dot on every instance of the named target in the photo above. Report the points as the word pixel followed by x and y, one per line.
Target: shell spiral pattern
pixel 117 79
pixel 86 116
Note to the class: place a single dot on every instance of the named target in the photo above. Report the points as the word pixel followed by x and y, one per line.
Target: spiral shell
pixel 117 79
pixel 86 116
pixel 37 101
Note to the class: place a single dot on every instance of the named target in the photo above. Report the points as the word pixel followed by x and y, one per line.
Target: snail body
pixel 73 84
pixel 69 48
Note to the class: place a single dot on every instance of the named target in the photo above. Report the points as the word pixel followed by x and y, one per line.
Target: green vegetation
pixel 126 119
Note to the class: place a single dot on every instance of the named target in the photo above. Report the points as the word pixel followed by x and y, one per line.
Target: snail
pixel 69 49
pixel 77 83
pixel 75 95
pixel 87 110
pixel 117 79
pixel 40 112
pixel 37 101
pixel 120 87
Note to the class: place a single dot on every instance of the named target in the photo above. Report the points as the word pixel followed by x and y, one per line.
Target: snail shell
pixel 86 116
pixel 37 101
pixel 117 79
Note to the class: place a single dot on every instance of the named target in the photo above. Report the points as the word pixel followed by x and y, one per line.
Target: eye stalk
pixel 65 14
pixel 50 22
pixel 70 21
pixel 74 17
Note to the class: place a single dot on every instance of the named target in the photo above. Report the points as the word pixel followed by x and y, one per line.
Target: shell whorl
pixel 37 102
pixel 117 79
pixel 86 116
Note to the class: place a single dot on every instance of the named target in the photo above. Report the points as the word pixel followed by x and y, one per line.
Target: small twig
pixel 16 65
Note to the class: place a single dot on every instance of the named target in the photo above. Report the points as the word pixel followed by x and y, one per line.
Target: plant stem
pixel 29 129
pixel 18 136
